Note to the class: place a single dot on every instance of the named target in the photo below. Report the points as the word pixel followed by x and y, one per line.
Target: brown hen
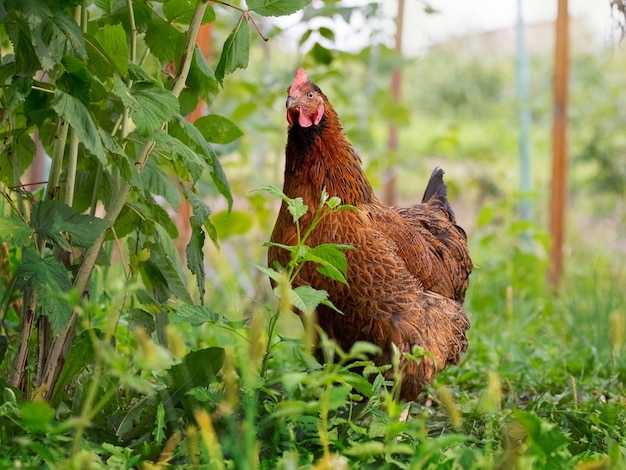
pixel 409 271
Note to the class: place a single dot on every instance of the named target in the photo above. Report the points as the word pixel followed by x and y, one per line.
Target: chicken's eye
pixel 310 94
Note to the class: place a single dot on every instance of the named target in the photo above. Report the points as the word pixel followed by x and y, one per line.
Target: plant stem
pixel 57 159
pixel 71 168
pixel 192 34
pixel 96 188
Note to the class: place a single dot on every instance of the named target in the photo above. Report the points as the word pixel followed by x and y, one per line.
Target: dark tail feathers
pixel 437 188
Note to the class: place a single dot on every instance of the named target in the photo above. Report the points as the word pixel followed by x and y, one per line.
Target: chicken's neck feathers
pixel 320 157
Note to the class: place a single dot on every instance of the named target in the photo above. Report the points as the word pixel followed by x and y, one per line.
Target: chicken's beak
pixel 290 102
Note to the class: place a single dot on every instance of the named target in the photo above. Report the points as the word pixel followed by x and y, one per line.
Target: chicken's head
pixel 305 102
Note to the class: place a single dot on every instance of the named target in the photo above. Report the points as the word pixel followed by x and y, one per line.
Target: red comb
pixel 299 80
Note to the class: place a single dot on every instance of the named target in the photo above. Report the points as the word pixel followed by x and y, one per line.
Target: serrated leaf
pixel 220 180
pixel 50 280
pixel 269 272
pixel 217 172
pixel 159 424
pixel 62 36
pixel 78 116
pixel 229 223
pixel 20 153
pixel 194 314
pixel 165 258
pixel 195 258
pixel 14 230
pixel 164 40
pixel 307 299
pixel 200 217
pixel 181 11
pixel 121 90
pixel 274 191
pixel 201 81
pixel 153 179
pixel 236 50
pixel 76 80
pixel 296 208
pixel 112 38
pixel 154 107
pixel 57 222
pixel 138 74
pixel 201 211
pixel 276 7
pixel 172 147
pixel 27 60
pixel 218 129
pixel 332 261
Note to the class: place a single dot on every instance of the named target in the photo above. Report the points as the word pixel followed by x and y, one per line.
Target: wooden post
pixel 396 91
pixel 559 144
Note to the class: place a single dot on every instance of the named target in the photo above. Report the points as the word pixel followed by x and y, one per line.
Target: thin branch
pixel 72 165
pixel 226 4
pixel 192 33
pixel 251 20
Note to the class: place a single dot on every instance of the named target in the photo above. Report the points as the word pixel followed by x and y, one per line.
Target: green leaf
pixel 121 90
pixel 181 11
pixel 218 129
pixel 321 54
pixel 297 208
pixel 229 223
pixel 154 107
pixel 269 272
pixel 220 180
pixel 276 7
pixel 194 314
pixel 195 258
pixel 201 211
pixel 112 38
pixel 153 179
pixel 80 356
pixel 197 369
pixel 15 231
pixel 172 147
pixel 164 40
pixel 76 80
pixel 545 437
pixel 201 81
pixel 166 260
pixel 77 115
pixel 274 191
pixel 307 299
pixel 36 415
pixel 217 172
pixel 332 261
pixel 50 280
pixel 236 50
pixel 62 36
pixel 26 58
pixel 159 425
pixel 327 33
pixel 57 222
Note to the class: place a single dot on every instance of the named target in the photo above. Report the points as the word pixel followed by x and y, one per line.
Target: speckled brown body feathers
pixel 408 274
